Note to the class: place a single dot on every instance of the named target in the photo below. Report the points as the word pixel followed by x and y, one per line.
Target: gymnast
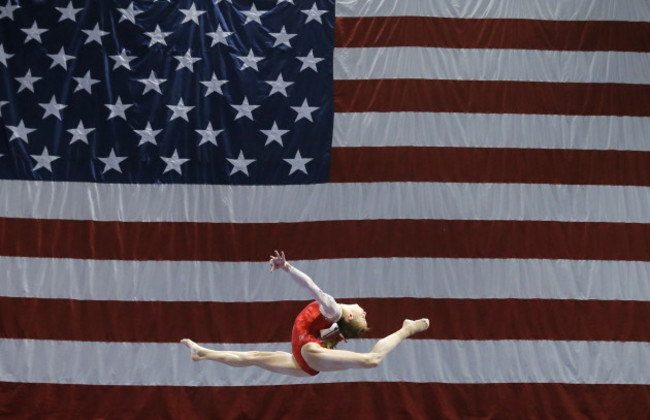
pixel 316 331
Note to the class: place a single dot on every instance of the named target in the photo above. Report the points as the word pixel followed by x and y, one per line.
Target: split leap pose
pixel 316 331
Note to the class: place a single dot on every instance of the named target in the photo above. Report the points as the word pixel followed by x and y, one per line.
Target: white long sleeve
pixel 328 306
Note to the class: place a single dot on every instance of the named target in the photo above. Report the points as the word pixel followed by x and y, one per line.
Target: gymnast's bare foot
pixel 197 352
pixel 414 327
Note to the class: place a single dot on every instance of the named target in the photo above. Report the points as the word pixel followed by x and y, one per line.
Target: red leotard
pixel 306 329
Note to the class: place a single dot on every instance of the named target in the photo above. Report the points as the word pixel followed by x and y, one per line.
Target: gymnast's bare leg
pixel 318 358
pixel 328 360
pixel 275 361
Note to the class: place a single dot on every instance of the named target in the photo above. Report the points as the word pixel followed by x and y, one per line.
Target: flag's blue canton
pixel 184 91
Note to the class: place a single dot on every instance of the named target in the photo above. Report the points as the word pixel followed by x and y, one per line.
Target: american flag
pixel 483 164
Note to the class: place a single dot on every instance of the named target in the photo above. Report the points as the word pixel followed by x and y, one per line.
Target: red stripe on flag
pixel 501 97
pixel 453 319
pixel 416 31
pixel 378 400
pixel 325 240
pixel 461 164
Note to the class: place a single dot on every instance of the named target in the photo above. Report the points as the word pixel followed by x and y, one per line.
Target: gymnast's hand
pixel 279 261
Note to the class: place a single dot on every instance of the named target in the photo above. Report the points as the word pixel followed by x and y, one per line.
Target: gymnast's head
pixel 353 321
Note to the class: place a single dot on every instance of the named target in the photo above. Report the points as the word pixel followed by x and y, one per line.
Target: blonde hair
pixel 348 329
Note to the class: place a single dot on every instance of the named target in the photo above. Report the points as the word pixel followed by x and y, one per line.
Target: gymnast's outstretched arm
pixel 328 306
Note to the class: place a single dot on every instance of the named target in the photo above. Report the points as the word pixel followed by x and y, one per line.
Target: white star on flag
pixel 287 1
pixel 20 131
pixel 118 109
pixel 309 61
pixel 80 133
pixel 279 86
pixel 148 135
pixel 304 111
pixel 244 110
pixel 112 161
pixel 7 11
pixel 250 60
pixel 219 36
pixel 68 12
pixel 85 83
pixel 94 34
pixel 152 83
pixel 60 59
pixel 314 14
pixel 52 108
pixel 298 163
pixel 2 103
pixel 253 15
pixel 27 81
pixel 34 33
pixel 157 36
pixel 240 164
pixel 209 135
pixel 129 13
pixel 282 37
pixel 274 134
pixel 191 14
pixel 186 61
pixel 173 163
pixel 4 56
pixel 180 110
pixel 214 85
pixel 44 160
pixel 122 60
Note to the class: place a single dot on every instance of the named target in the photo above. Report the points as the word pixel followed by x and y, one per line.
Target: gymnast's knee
pixel 372 360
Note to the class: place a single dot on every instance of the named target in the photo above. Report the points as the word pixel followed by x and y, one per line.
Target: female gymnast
pixel 316 331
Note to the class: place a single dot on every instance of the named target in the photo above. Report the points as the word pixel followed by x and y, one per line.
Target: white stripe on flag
pixel 492 64
pixel 447 361
pixel 454 278
pixel 302 203
pixel 378 129
pixel 623 10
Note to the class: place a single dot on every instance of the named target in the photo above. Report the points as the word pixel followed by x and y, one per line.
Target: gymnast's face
pixel 359 315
